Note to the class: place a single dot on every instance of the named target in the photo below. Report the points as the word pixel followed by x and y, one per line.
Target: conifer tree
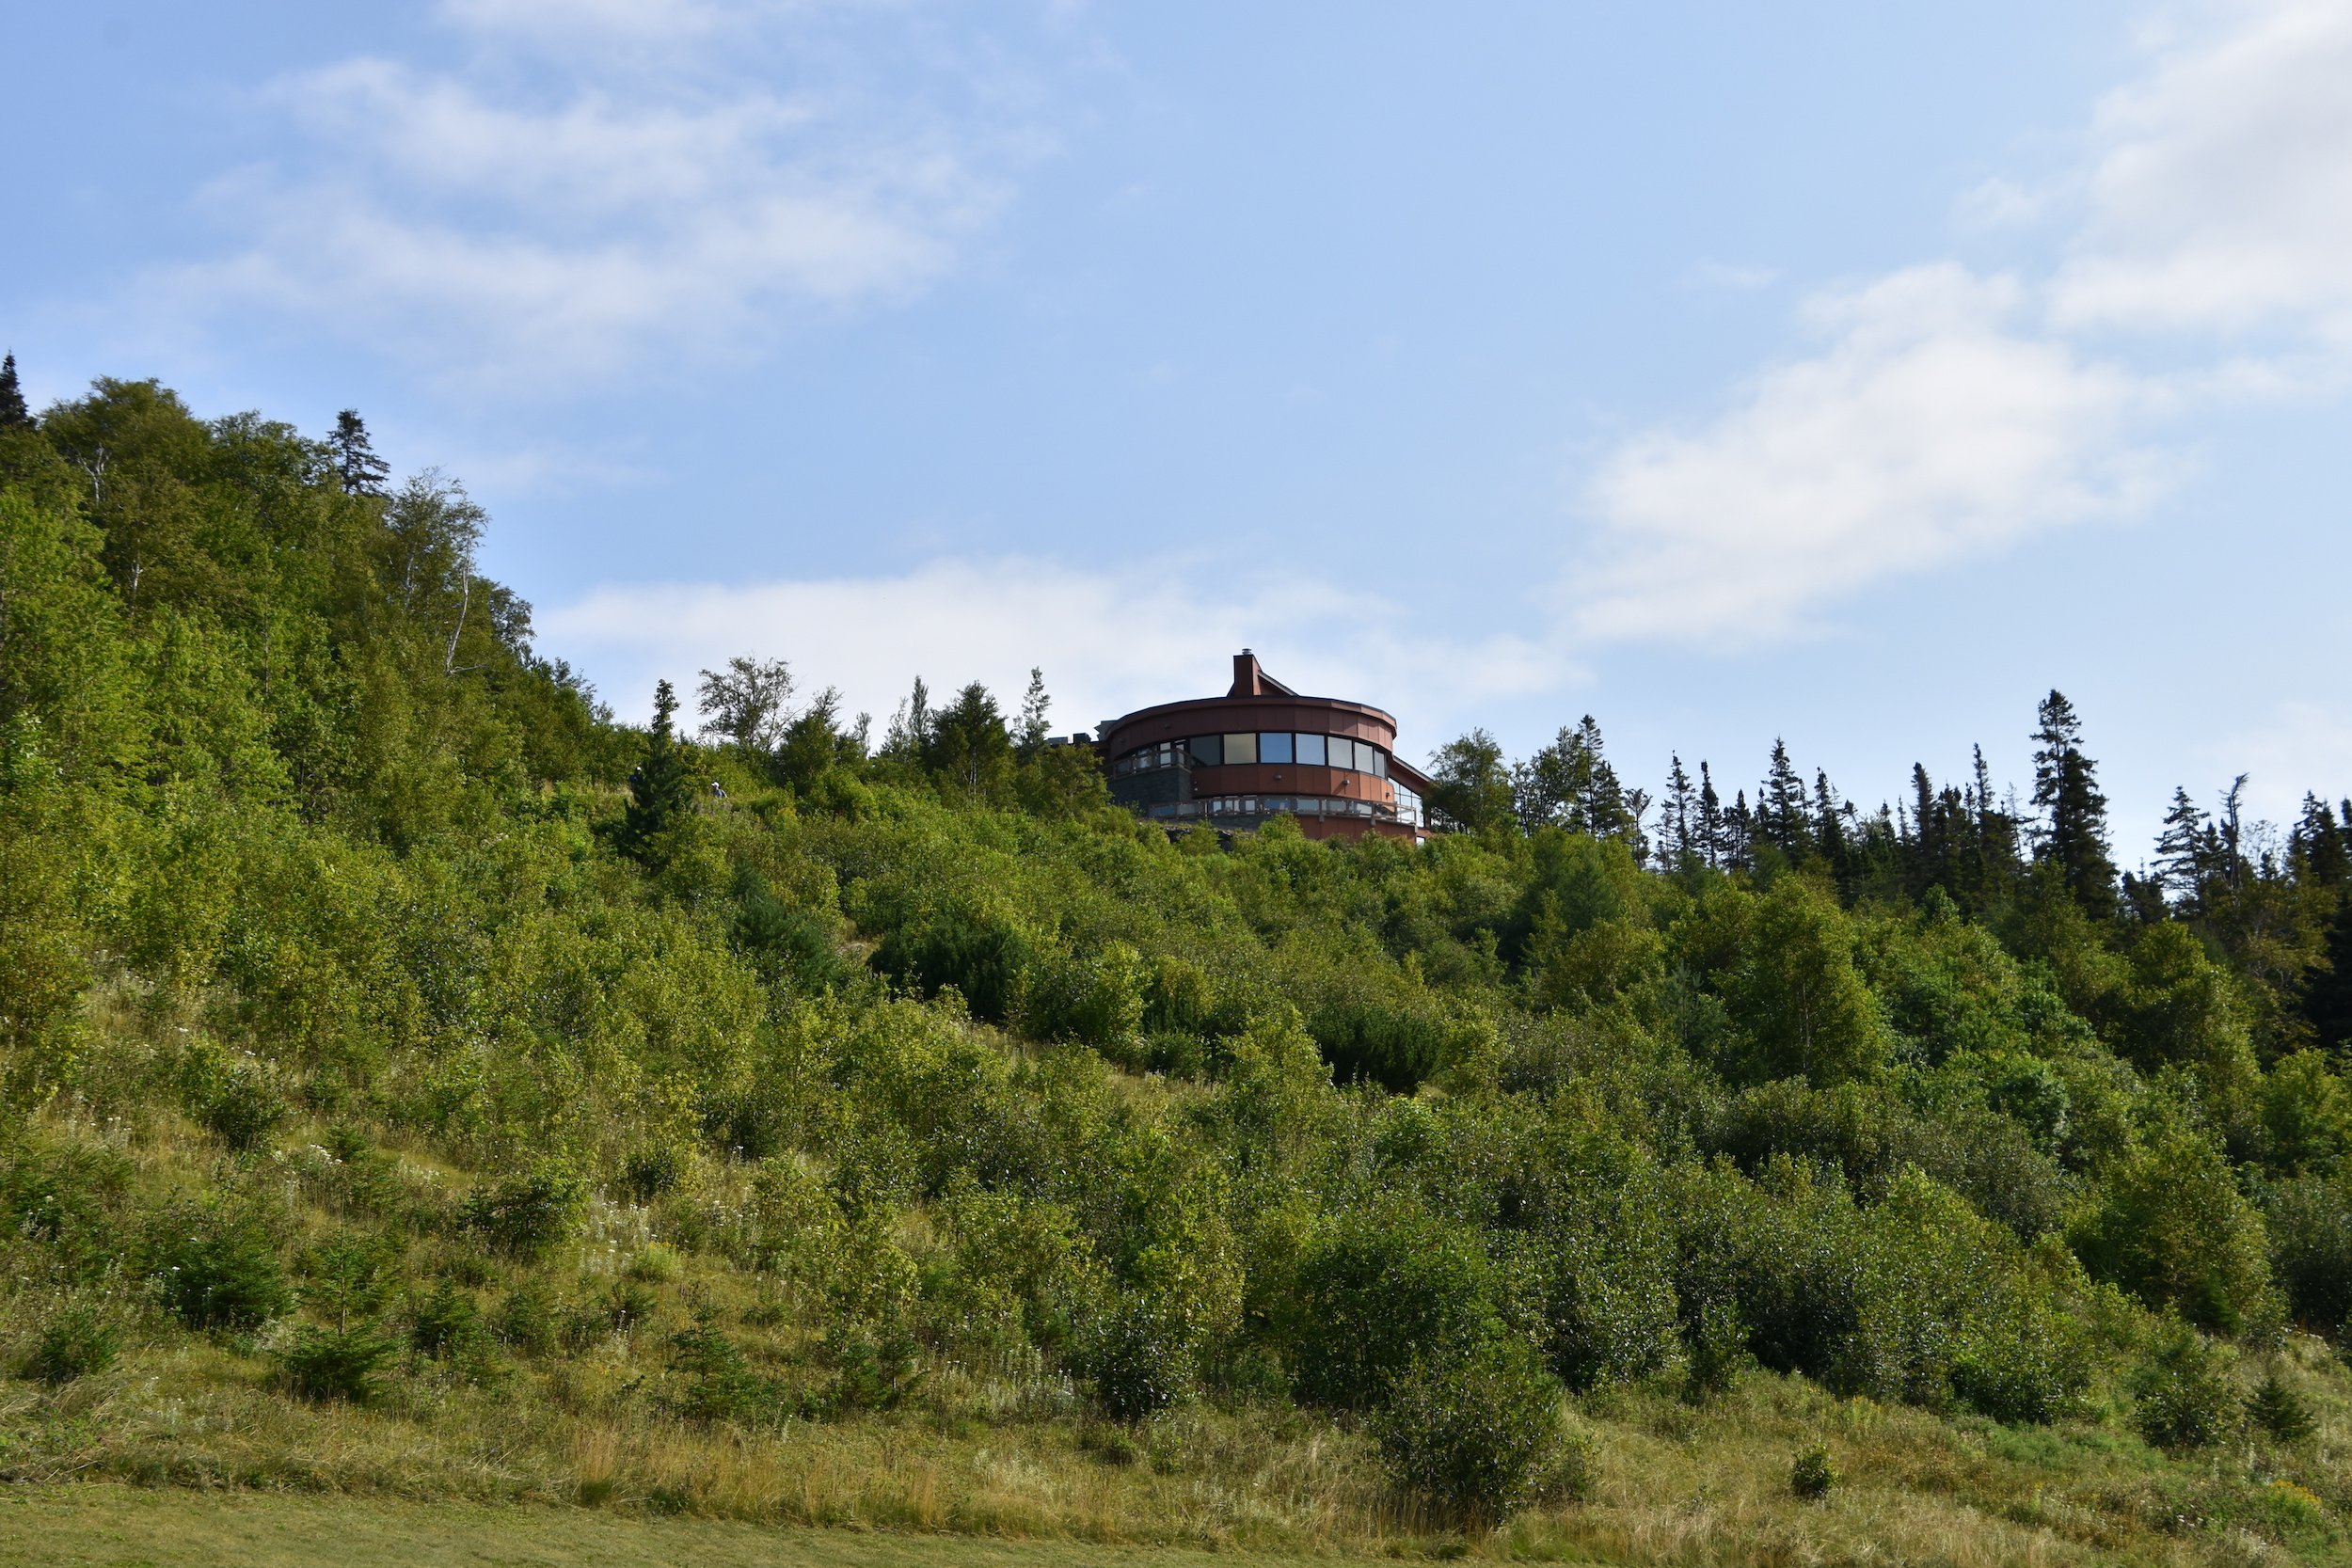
pixel 1034 706
pixel 13 414
pixel 363 472
pixel 661 793
pixel 1712 826
pixel 2327 989
pixel 1676 827
pixel 2075 826
pixel 1780 806
pixel 2318 850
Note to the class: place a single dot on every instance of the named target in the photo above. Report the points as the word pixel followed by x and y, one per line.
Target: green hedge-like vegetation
pixel 307 853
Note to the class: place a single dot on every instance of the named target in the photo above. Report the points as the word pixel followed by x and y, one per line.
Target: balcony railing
pixel 1259 807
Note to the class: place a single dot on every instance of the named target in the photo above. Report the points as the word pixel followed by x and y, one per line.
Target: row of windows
pixel 1228 750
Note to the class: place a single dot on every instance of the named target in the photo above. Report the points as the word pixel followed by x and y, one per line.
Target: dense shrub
pixel 2185 1397
pixel 1390 1285
pixel 987 961
pixel 1475 1432
pixel 526 1216
pixel 224 1273
pixel 337 1362
pixel 1814 1474
pixel 76 1341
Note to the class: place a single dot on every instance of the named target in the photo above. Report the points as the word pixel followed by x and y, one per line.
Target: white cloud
pixel 1109 642
pixel 610 205
pixel 1929 429
pixel 2284 748
pixel 2221 198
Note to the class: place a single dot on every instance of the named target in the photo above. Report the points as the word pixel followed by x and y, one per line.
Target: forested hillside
pixel 417 1081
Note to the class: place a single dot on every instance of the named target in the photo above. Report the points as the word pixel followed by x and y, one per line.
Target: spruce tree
pixel 363 472
pixel 661 793
pixel 13 414
pixel 2319 852
pixel 1675 828
pixel 1712 826
pixel 2074 827
pixel 2327 989
pixel 1780 806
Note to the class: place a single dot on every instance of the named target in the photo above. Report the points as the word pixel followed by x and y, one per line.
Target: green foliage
pixel 2185 1397
pixel 526 1214
pixel 77 1339
pixel 2173 1229
pixel 1813 1473
pixel 446 1322
pixel 722 1386
pixel 2275 1408
pixel 1868 1101
pixel 1474 1433
pixel 212 1271
pixel 344 1364
pixel 1388 1285
pixel 1799 998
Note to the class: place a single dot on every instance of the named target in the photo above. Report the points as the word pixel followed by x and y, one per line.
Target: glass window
pixel 1379 761
pixel 1273 747
pixel 1127 765
pixel 1343 753
pixel 1240 748
pixel 1208 751
pixel 1311 751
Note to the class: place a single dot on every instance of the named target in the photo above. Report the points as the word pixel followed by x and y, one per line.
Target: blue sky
pixel 1843 372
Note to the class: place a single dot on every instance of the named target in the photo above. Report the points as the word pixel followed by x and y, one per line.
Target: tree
pixel 1676 826
pixel 1034 705
pixel 661 793
pixel 1804 1007
pixel 749 702
pixel 2074 827
pixel 2327 991
pixel 1780 806
pixel 969 750
pixel 363 472
pixel 1472 785
pixel 13 414
pixel 2319 850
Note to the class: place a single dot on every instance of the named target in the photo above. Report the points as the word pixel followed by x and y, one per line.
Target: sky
pixel 1844 374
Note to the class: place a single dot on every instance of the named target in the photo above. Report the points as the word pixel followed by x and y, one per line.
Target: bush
pixel 723 1387
pixel 229 1279
pixel 76 1341
pixel 1141 1357
pixel 650 1170
pixel 2173 1229
pixel 788 945
pixel 1814 1474
pixel 1475 1433
pixel 2185 1397
pixel 989 963
pixel 337 1362
pixel 2275 1408
pixel 527 1215
pixel 527 1320
pixel 445 1323
pixel 244 1110
pixel 1385 1288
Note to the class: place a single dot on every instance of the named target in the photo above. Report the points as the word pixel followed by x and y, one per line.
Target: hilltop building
pixel 1263 750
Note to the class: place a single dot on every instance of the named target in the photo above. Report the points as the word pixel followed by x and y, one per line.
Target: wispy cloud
pixel 1950 415
pixel 2221 197
pixel 579 194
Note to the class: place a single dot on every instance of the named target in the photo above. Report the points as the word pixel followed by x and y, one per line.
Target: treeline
pixel 356 963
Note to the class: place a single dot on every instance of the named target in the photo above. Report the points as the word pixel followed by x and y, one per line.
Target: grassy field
pixel 1668 1482
pixel 119 1526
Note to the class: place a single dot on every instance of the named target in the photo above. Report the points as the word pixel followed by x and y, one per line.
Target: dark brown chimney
pixel 1246 676
pixel 1250 681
